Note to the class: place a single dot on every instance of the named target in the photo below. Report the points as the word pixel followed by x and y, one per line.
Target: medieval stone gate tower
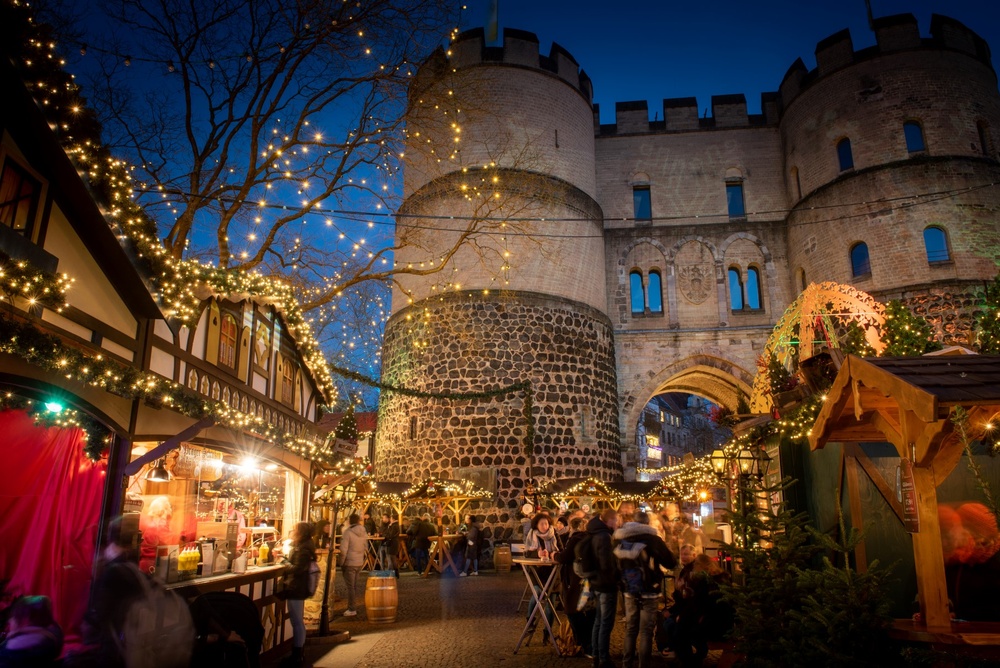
pixel 641 257
pixel 502 139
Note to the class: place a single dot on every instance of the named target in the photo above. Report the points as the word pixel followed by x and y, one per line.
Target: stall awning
pixel 910 402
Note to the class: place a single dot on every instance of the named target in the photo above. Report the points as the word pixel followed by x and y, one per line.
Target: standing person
pixel 422 541
pixel 353 545
pixel 641 555
pixel 541 537
pixel 562 532
pixel 604 585
pixel 390 544
pixel 369 523
pixel 581 621
pixel 116 587
pixel 297 590
pixel 473 540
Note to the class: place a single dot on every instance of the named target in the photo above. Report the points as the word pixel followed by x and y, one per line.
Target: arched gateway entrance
pixel 713 378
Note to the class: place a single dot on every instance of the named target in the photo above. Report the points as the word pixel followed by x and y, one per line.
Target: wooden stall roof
pixel 869 394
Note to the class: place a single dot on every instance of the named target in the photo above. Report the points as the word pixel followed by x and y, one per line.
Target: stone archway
pixel 713 378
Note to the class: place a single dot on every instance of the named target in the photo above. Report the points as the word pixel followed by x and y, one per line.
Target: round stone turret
pixel 500 147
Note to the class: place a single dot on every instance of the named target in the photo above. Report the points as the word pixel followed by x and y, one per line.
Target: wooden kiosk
pixel 910 402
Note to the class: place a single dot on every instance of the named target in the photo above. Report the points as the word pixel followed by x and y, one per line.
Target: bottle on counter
pixel 263 553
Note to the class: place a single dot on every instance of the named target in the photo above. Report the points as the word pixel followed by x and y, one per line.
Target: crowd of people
pixel 651 565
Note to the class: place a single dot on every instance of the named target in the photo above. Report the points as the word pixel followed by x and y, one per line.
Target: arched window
pixel 287 375
pixel 844 154
pixel 754 299
pixel 860 262
pixel 735 290
pixel 636 292
pixel 655 292
pixel 227 341
pixel 936 243
pixel 914 135
pixel 795 183
pixel 803 284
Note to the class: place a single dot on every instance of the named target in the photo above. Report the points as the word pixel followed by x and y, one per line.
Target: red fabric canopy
pixel 50 502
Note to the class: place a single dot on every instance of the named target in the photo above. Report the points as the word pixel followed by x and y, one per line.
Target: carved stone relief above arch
pixel 695 266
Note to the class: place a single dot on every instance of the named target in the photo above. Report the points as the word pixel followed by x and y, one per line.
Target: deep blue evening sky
pixel 646 50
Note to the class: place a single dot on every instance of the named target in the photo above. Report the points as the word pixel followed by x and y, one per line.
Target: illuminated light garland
pixel 51 353
pixel 96 435
pixel 19 280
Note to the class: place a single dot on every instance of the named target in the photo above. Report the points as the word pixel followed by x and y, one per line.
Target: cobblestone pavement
pixel 448 622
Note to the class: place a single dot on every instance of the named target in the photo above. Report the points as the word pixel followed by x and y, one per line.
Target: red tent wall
pixel 50 501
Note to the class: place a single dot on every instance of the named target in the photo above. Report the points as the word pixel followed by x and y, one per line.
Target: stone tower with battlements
pixel 656 256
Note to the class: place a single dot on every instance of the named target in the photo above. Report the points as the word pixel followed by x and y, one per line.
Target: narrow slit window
pixel 844 154
pixel 753 288
pixel 655 292
pixel 735 290
pixel 734 200
pixel 914 135
pixel 642 203
pixel 636 292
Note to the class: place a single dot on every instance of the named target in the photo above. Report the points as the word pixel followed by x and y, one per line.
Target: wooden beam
pixel 932 588
pixel 166 446
pixel 857 517
pixel 880 483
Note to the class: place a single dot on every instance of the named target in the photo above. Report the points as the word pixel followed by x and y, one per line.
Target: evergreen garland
pixel 987 324
pixel 906 334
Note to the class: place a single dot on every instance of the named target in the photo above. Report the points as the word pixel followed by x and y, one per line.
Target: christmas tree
pixel 987 327
pixel 906 334
pixel 347 428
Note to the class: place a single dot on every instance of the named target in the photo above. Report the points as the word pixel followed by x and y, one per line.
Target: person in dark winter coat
pixel 473 541
pixel 642 555
pixel 296 590
pixel 390 544
pixel 421 530
pixel 34 640
pixel 604 585
pixel 581 621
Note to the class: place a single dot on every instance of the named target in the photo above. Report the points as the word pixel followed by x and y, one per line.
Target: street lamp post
pixel 343 495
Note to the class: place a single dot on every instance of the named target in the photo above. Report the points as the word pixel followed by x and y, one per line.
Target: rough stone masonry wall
pixel 473 342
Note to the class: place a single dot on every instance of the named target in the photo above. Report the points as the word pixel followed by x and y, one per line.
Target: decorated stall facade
pixel 132 387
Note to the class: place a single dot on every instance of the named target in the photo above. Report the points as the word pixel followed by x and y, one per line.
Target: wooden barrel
pixel 381 599
pixel 501 558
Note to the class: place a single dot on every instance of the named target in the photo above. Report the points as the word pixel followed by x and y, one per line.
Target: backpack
pixel 637 574
pixel 158 631
pixel 584 560
pixel 313 582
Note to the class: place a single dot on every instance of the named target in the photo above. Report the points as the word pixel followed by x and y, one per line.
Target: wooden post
pixel 928 557
pixel 854 500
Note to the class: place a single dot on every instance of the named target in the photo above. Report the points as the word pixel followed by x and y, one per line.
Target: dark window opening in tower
pixel 754 299
pixel 936 244
pixel 844 154
pixel 914 136
pixel 860 262
pixel 735 290
pixel 636 292
pixel 734 200
pixel 985 138
pixel 655 292
pixel 413 427
pixel 642 203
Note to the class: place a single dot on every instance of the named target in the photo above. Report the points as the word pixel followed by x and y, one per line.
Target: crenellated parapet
pixel 893 34
pixel 680 114
pixel 520 49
